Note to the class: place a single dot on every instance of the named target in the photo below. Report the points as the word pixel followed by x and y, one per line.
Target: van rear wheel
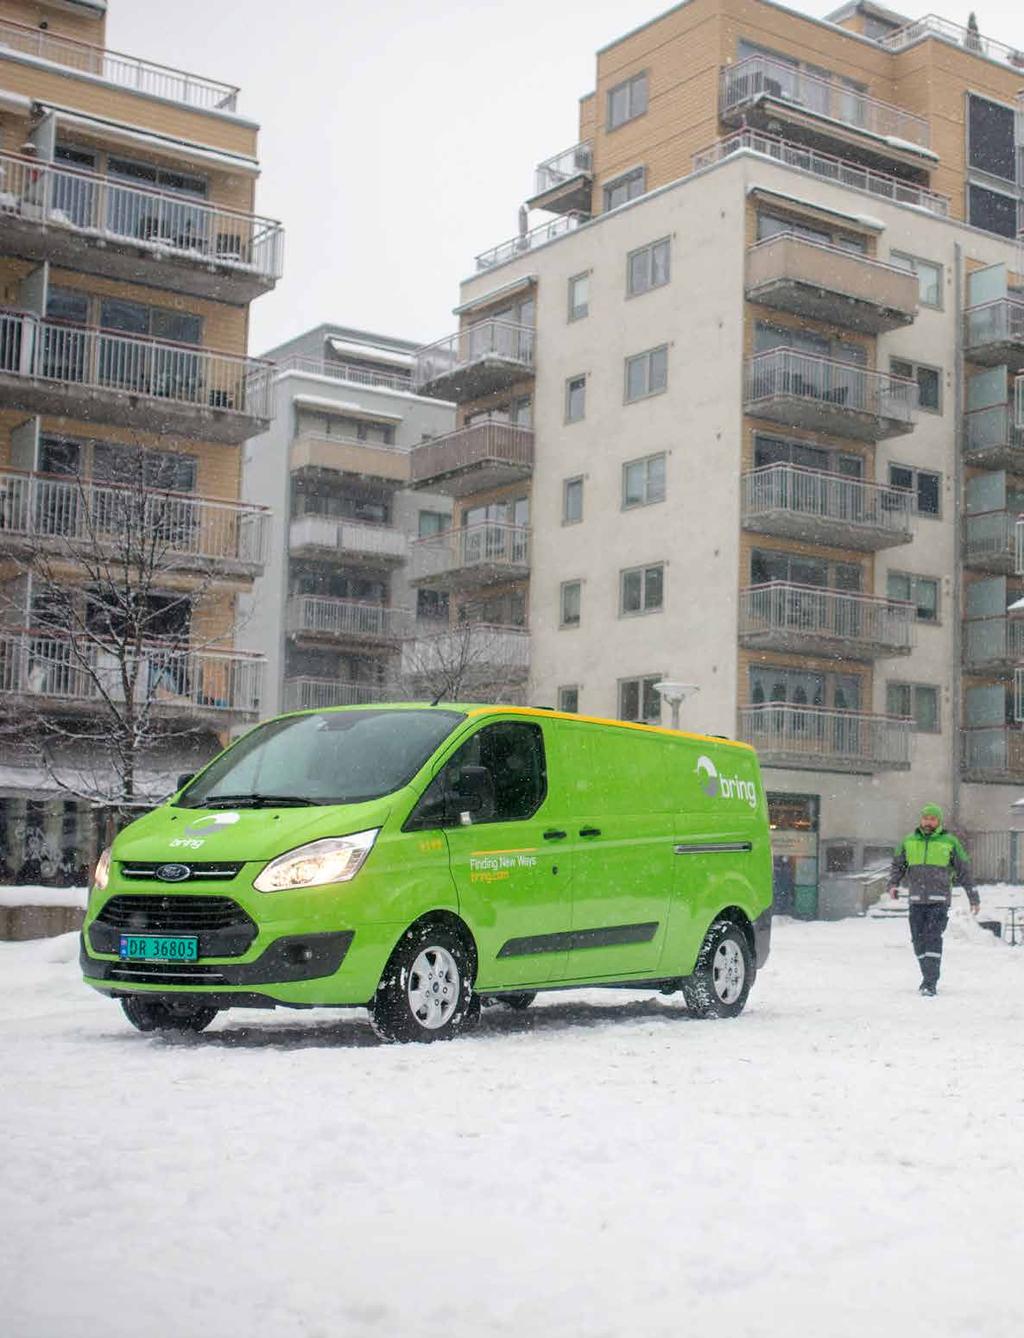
pixel 157 1015
pixel 426 991
pixel 723 973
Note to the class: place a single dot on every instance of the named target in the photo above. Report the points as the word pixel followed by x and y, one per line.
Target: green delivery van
pixel 415 859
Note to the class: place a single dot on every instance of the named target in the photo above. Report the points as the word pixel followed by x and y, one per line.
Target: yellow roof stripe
pixel 539 714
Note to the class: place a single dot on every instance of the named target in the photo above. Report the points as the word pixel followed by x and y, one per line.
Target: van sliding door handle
pixel 555 836
pixel 590 831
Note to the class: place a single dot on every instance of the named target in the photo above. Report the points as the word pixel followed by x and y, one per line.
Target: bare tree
pixel 468 661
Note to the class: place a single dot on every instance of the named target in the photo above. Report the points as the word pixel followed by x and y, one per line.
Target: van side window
pixel 512 755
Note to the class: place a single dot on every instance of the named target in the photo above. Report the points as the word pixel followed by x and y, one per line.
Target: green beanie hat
pixel 932 811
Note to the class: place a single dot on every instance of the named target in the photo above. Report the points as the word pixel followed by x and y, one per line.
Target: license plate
pixel 158 948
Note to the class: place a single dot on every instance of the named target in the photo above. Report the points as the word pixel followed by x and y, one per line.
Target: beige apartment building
pixel 129 254
pixel 740 415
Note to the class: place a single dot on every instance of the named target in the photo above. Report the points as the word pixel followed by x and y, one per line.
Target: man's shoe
pixel 926 989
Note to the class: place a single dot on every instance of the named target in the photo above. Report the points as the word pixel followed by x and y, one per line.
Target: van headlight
pixel 101 874
pixel 337 859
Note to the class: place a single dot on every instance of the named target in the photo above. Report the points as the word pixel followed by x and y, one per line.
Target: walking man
pixel 931 860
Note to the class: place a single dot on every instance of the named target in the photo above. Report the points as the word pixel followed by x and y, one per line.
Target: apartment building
pixel 753 391
pixel 335 611
pixel 129 254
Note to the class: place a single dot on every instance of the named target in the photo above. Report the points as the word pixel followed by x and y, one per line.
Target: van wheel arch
pixel 452 922
pixel 738 917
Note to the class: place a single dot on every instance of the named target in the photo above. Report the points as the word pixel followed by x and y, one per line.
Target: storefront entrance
pixel 793 819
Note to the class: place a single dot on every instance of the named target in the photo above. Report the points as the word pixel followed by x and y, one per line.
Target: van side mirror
pixel 183 780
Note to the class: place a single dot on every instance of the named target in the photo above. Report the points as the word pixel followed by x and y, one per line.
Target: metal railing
pixel 477 444
pixel 475 645
pixel 1018 402
pixel 486 544
pixel 1018 546
pixel 995 322
pixel 529 241
pixel 993 641
pixel 45 664
pixel 992 428
pixel 856 260
pixel 787 608
pixel 846 738
pixel 325 616
pixel 489 339
pixel 317 694
pixel 955 34
pixel 990 535
pixel 813 493
pixel 577 161
pixel 315 530
pixel 825 165
pixel 344 371
pixel 101 206
pixel 994 751
pixel 109 515
pixel 784 373
pixel 141 76
pixel 764 76
pixel 58 351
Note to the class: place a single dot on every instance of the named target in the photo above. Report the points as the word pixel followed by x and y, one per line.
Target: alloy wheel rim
pixel 433 988
pixel 728 971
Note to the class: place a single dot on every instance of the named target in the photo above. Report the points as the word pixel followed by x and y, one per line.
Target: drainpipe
pixel 956 708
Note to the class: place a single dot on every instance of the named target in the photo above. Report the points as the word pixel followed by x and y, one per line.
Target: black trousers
pixel 928 922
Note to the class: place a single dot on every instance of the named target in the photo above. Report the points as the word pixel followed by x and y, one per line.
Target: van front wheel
pixel 426 991
pixel 723 974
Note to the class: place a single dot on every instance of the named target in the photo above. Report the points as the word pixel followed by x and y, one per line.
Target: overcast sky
pixel 398 138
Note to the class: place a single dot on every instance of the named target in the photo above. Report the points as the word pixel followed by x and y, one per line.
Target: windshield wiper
pixel 257 801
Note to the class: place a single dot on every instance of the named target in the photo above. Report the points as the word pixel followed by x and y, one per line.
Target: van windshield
pixel 332 757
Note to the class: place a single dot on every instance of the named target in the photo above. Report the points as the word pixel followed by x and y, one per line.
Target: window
pixel 569 698
pixel 929 277
pixel 929 382
pixel 925 486
pixel 780 450
pixel 114 463
pixel 990 138
pixel 627 101
pixel 921 591
pixel 569 611
pixel 512 755
pixel 770 564
pixel 992 210
pixel 638 699
pixel 432 605
pixel 572 501
pixel 579 296
pixel 916 700
pixel 575 398
pixel 625 188
pixel 648 267
pixel 642 589
pixel 643 481
pixel 647 373
pixel 433 522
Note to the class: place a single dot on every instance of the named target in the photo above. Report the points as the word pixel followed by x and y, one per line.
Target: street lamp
pixel 675 694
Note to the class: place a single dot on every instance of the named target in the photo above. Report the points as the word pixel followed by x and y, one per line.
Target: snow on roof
pixel 349 408
pixel 370 353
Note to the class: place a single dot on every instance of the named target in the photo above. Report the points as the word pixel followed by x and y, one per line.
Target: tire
pixel 519 1001
pixel 426 991
pixel 157 1015
pixel 723 973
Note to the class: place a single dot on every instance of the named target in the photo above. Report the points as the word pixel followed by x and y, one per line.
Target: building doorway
pixel 793 819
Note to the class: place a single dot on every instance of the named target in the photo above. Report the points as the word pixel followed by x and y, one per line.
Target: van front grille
pixel 207 870
pixel 166 973
pixel 141 914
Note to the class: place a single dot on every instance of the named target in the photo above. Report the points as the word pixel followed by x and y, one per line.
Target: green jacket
pixel 930 865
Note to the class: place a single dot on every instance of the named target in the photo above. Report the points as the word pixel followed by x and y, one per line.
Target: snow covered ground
pixel 845 1159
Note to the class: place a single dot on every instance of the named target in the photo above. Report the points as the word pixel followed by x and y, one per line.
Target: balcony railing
pixel 489 548
pixel 348 537
pixel 344 371
pixel 992 438
pixel 1018 546
pixel 169 680
pixel 346 619
pixel 994 754
pixel 476 359
pixel 193 531
pixel 785 615
pixel 474 458
pixel 840 388
pixel 765 77
pixel 140 76
pixel 94 205
pixel 529 241
pixel 810 737
pixel 318 694
pixel 479 647
pixel 956 35
pixel 1018 403
pixel 994 332
pixel 824 165
pixel 993 643
pixel 347 455
pixel 813 504
pixel 94 359
pixel 563 167
pixel 990 540
pixel 1018 695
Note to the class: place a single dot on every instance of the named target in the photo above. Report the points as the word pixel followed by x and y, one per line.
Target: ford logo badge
pixel 173 873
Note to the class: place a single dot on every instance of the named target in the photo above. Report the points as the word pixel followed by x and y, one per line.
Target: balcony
pixel 114 67
pixel 994 333
pixel 826 283
pixel 528 241
pixel 563 183
pixel 1018 565
pixel 993 645
pixel 315 455
pixel 324 620
pixel 809 738
pixel 42 513
pixel 1018 696
pixel 808 620
pixel 479 360
pixel 490 657
pixel 53 672
pixel 837 398
pixel 347 371
pixel 954 34
pixel 319 694
pixel 476 555
pixel 993 755
pixel 77 371
pixel 1018 403
pixel 990 542
pixel 827 167
pixel 992 440
pixel 319 536
pixel 809 505
pixel 764 92
pixel 475 459
pixel 87 221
